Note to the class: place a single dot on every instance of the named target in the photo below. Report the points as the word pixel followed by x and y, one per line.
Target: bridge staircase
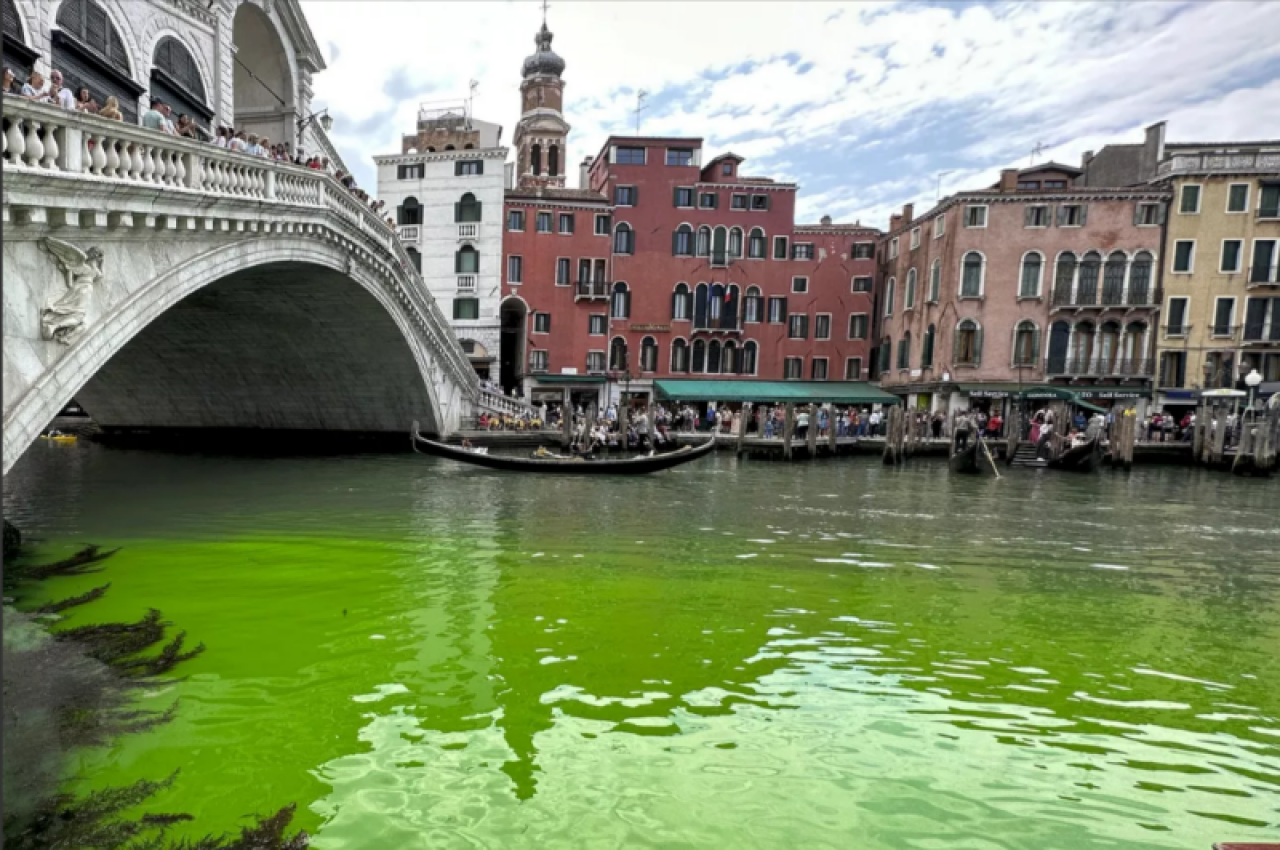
pixel 495 403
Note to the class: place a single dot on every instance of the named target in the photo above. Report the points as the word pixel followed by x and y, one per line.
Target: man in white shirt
pixel 875 423
pixel 60 94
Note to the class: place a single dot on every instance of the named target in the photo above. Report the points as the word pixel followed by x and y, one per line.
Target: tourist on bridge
pixel 35 88
pixel 85 101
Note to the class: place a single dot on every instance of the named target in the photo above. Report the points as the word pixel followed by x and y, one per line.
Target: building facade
pixel 445 191
pixel 1222 283
pixel 664 263
pixel 1032 281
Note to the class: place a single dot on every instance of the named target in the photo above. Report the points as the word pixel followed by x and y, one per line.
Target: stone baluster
pixel 133 152
pixel 35 148
pixel 111 150
pixel 50 158
pixel 269 188
pixel 212 175
pixel 15 143
pixel 166 170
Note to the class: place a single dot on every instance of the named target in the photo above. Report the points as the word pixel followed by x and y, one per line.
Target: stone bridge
pixel 163 282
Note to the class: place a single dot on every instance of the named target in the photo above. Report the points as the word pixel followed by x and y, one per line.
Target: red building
pixel 664 264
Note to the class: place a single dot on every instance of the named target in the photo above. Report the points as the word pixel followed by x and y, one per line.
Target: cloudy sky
pixel 862 104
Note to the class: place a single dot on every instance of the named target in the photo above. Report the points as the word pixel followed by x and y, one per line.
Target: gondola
pixel 966 460
pixel 562 465
pixel 1086 457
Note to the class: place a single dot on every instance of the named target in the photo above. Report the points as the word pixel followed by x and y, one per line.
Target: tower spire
pixel 545 6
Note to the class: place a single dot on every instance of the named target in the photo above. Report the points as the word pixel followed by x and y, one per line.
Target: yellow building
pixel 1221 308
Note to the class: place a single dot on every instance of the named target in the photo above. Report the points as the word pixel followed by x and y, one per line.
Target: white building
pixel 445 191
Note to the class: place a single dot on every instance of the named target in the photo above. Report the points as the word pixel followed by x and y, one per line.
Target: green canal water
pixel 726 655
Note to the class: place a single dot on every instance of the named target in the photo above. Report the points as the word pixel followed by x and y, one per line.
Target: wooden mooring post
pixel 894 436
pixel 1218 437
pixel 748 409
pixel 1125 429
pixel 566 419
pixel 789 429
pixel 833 428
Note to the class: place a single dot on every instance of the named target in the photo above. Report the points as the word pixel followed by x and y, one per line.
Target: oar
pixel 994 468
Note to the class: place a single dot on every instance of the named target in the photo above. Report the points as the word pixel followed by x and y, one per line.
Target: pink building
pixel 1029 282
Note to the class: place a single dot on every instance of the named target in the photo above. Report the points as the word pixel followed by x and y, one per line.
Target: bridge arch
pixel 114 366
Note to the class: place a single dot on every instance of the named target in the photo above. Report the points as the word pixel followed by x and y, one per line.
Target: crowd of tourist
pixel 160 118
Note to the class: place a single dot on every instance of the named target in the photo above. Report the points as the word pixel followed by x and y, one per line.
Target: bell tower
pixel 541 157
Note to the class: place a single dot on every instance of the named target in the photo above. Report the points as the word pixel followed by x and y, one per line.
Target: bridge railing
pixel 46 139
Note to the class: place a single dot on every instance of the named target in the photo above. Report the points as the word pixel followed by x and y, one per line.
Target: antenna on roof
pixel 937 195
pixel 1035 152
pixel 471 100
pixel 640 107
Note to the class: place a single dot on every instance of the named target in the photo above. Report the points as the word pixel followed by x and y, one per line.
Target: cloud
pixel 863 104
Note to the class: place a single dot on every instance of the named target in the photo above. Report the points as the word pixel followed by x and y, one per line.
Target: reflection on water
pixel 745 655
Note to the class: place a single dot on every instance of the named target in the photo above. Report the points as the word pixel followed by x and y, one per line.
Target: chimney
pixel 1009 180
pixel 826 221
pixel 895 221
pixel 907 210
pixel 1152 151
pixel 584 174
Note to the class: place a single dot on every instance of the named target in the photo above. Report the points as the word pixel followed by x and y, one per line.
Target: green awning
pixel 1047 393
pixel 1092 408
pixel 570 379
pixel 804 392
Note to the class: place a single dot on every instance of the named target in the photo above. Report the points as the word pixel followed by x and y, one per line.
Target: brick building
pixel 1032 281
pixel 666 264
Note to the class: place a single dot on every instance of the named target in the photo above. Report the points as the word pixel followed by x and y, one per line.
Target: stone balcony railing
pixel 492 401
pixel 1233 163
pixel 46 141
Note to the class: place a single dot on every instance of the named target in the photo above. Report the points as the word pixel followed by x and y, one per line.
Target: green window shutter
pixel 675 196
pixel 675 244
pixel 1084 214
pixel 977 347
pixel 1137 214
pixel 1026 216
pixel 1161 211
pixel 1062 215
pixel 1035 347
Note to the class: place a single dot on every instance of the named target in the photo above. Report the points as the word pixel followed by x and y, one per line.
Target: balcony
pixel 1262 332
pixel 719 259
pixel 1264 276
pixel 408 232
pixel 591 289
pixel 1220 331
pixel 468 230
pixel 1173 331
pixel 467 283
pixel 1234 163
pixel 1137 297
pixel 731 324
pixel 1093 367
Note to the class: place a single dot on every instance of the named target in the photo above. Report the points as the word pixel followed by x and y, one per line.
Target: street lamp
pixel 1253 379
pixel 323 116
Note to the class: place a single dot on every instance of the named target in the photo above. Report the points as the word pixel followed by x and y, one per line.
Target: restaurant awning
pixel 992 390
pixel 803 392
pixel 1102 391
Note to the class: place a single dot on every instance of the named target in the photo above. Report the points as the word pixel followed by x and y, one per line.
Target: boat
pixel 1086 457
pixel 556 464
pixel 966 460
pixel 58 437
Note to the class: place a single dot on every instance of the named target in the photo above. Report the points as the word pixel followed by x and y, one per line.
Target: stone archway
pixel 264 97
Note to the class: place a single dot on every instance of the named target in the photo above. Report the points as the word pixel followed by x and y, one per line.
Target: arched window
pixel 926 352
pixel 699 356
pixel 756 244
pixel 450 148
pixel 718 251
pixel 1113 278
pixel 535 159
pixel 885 353
pixel 467 209
pixel 618 354
pixel 704 241
pixel 648 352
pixel 752 305
pixel 1082 338
pixel 749 355
pixel 88 23
pixel 713 357
pixel 624 239
pixel 679 356
pixel 1087 288
pixel 935 282
pixel 409 212
pixel 735 243
pixel 466 260
pixel 715 305
pixel 553 161
pixel 731 362
pixel 620 303
pixel 176 80
pixel 18 55
pixel 682 241
pixel 467 147
pixel 1026 343
pixel 911 290
pixel 1108 347
pixel 681 303
pixel 1140 279
pixel 700 306
pixel 1059 343
pixel 971 274
pixel 729 316
pixel 904 351
pixel 888 296
pixel 968 347
pixel 1132 347
pixel 1064 279
pixel 1032 266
